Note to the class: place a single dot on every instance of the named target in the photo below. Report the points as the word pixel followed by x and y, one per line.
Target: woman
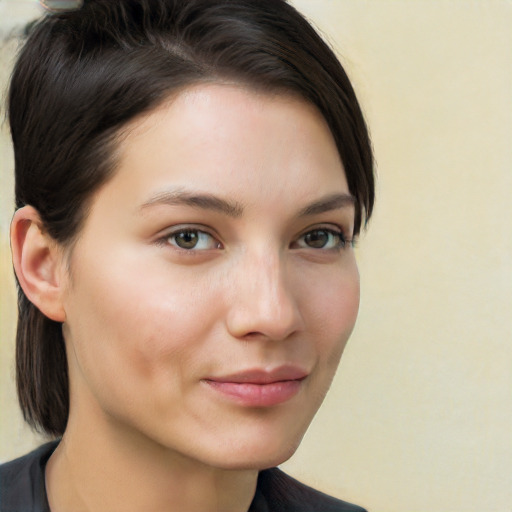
pixel 190 179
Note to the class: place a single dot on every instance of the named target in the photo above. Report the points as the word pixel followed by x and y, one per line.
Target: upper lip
pixel 263 376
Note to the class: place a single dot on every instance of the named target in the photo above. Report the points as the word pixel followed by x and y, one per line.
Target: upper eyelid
pixel 328 226
pixel 336 231
pixel 163 237
pixel 348 239
pixel 164 240
pixel 165 233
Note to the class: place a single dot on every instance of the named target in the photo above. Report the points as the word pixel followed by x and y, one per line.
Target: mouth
pixel 259 388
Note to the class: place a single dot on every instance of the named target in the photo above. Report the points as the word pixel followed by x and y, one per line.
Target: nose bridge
pixel 271 286
pixel 264 301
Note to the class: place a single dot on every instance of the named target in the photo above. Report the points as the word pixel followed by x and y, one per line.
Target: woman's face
pixel 214 286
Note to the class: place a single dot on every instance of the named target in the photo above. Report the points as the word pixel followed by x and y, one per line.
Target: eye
pixel 192 239
pixel 321 238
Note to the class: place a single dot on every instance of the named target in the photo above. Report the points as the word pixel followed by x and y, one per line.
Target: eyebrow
pixel 234 209
pixel 203 201
pixel 329 203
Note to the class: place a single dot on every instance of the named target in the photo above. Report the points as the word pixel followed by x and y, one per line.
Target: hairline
pixel 113 141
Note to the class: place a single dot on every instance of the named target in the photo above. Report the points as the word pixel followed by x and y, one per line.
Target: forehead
pixel 233 141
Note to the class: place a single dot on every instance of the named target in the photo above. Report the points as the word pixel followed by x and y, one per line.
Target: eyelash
pixel 165 240
pixel 342 243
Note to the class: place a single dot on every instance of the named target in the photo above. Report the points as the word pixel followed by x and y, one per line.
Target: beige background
pixel 420 415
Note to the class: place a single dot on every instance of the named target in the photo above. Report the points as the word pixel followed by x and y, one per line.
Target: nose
pixel 263 303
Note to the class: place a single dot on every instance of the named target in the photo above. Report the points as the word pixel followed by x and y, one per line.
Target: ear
pixel 38 263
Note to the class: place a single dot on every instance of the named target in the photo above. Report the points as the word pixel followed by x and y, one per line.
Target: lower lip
pixel 257 395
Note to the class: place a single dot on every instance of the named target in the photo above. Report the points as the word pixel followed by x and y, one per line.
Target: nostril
pixel 254 336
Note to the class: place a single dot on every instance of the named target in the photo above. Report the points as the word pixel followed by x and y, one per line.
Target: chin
pixel 264 440
pixel 255 456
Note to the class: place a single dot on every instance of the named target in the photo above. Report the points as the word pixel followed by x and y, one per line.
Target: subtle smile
pixel 258 388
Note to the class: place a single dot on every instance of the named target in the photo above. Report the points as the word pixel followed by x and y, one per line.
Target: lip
pixel 259 388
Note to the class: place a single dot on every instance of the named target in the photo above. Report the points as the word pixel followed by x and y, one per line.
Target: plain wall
pixel 419 418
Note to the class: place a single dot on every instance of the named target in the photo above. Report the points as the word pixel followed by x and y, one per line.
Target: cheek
pixel 333 306
pixel 135 333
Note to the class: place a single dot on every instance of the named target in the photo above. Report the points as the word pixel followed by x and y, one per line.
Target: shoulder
pixel 22 481
pixel 285 494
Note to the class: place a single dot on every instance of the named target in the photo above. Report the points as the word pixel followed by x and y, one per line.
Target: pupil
pixel 317 239
pixel 187 240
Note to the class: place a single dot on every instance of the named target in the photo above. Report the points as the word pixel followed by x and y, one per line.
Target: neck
pixel 115 470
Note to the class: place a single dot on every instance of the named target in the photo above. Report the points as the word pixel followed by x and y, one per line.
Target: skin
pixel 147 323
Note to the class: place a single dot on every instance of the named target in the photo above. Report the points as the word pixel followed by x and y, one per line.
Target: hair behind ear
pixel 41 364
pixel 41 369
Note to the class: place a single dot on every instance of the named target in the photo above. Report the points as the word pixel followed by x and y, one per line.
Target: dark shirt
pixel 22 489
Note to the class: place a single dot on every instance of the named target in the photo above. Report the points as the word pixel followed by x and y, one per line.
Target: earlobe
pixel 37 261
